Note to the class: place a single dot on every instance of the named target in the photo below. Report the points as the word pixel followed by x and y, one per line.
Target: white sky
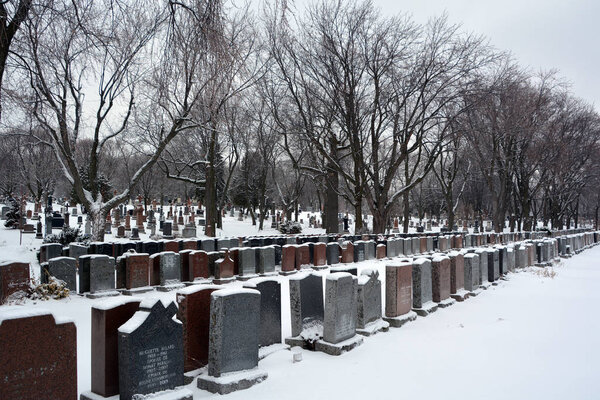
pixel 541 34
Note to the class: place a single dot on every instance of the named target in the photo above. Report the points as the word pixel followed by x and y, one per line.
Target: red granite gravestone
pixel 29 214
pixel 39 356
pixel 127 222
pixel 199 265
pixel 154 266
pixel 381 250
pixel 172 245
pixel 194 313
pixel 223 269
pixel 443 243
pixel 457 273
pixel 234 254
pixel 302 256
pixel 106 320
pixel 423 244
pixel 440 274
pixel 13 277
pixel 190 245
pixel 288 258
pixel 121 231
pixel 136 270
pixel 348 253
pixel 492 238
pixel 459 242
pixel 398 289
pixel 320 254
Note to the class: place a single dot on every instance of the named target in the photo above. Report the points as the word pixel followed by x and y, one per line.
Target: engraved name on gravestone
pixel 96 273
pixel 306 302
pixel 270 310
pixel 339 321
pixel 150 350
pixel 369 297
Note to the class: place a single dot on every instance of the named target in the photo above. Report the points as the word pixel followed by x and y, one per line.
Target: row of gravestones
pixel 224 328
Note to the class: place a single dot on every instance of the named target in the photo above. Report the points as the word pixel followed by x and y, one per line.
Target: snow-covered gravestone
pixel 266 260
pixel 150 351
pixel 247 263
pixel 233 342
pixel 332 253
pixel 483 268
pixel 391 248
pixel 471 261
pixel 97 275
pixel 457 276
pixel 359 251
pixel 270 310
pixel 398 294
pixel 306 306
pixel 440 274
pixel 49 251
pixel 62 268
pixel 368 315
pixel 169 271
pixel 339 322
pixel 423 303
pixel 493 265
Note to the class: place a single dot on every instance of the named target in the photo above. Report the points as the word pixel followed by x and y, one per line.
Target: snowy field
pixel 531 336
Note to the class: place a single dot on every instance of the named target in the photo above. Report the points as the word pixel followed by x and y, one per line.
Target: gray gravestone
pixel 208 245
pixel 96 273
pixel 407 248
pixel 63 268
pixel 270 310
pixel 359 251
pixel 247 262
pixel 167 230
pixel 483 265
pixel 234 331
pixel 170 268
pixel 421 276
pixel 77 250
pixel 471 271
pixel 339 322
pixel 333 253
pixel 369 298
pixel 306 302
pixel 150 350
pixel 266 259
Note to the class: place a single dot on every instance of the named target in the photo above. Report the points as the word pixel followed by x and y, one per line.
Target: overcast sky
pixel 541 34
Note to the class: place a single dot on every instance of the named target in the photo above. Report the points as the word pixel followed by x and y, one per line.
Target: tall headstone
pixel 97 274
pixel 306 304
pixel 471 271
pixel 233 341
pixel 62 268
pixel 270 310
pixel 339 322
pixel 423 303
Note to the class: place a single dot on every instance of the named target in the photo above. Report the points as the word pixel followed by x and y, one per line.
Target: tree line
pixel 336 106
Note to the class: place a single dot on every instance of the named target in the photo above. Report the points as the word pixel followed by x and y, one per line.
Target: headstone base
pixel 170 287
pixel 167 236
pixel 319 267
pixel 223 281
pixel 286 273
pixel 268 274
pixel 475 292
pixel 446 303
pixel 231 382
pixel 374 327
pixel 176 394
pixel 397 322
pixel 99 295
pixel 336 349
pixel 460 295
pixel 136 291
pixel 246 277
pixel 485 285
pixel 426 309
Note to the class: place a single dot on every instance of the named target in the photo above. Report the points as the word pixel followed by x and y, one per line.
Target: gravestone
pixel 483 268
pixel 223 270
pixel 423 303
pixel 137 274
pixel 407 247
pixel 266 258
pixel 233 342
pixel 207 245
pixel 107 317
pixel 49 251
pixel 288 259
pixel 359 251
pixel 150 350
pixel 368 316
pixel 306 306
pixel 333 253
pixel 198 265
pixel 97 275
pixel 194 313
pixel 457 276
pixel 62 268
pixel 347 252
pixel 493 265
pixel 319 255
pixel 398 294
pixel 77 250
pixel 39 355
pixel 471 261
pixel 167 230
pixel 339 321
pixel 440 274
pixel 14 277
pixel 270 310
pixel 302 256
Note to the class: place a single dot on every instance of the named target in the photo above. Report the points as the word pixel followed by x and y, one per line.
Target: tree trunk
pixel 405 212
pixel 98 222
